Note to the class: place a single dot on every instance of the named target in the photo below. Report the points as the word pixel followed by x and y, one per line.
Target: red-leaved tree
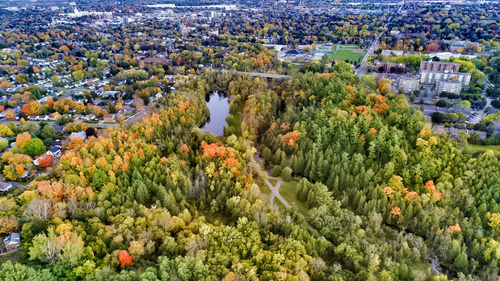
pixel 125 258
pixel 45 160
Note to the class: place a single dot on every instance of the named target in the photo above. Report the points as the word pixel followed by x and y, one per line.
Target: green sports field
pixel 351 53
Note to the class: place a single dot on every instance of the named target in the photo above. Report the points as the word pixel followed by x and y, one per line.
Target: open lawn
pixel 273 182
pixel 289 191
pixel 478 147
pixel 278 203
pixel 351 53
pixel 263 188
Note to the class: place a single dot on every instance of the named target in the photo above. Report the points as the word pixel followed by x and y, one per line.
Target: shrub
pixel 276 171
pixel 286 174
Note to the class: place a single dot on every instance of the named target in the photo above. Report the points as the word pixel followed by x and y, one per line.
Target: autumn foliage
pixel 184 148
pixel 10 114
pixel 215 150
pixel 429 185
pixel 125 258
pixel 381 107
pixel 54 190
pixel 183 106
pixel 412 196
pixel 8 224
pixel 45 160
pixel 23 139
pixel 454 228
pixel 388 191
pixel 396 212
pixel 32 108
pixel 290 138
pixel 384 85
pixel 212 150
pixel 425 131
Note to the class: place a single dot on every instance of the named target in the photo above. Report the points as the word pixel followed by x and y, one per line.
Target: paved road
pixel 138 116
pixel 15 184
pixel 132 119
pixel 480 114
pixel 369 52
pixel 373 47
pixel 255 74
pixel 265 75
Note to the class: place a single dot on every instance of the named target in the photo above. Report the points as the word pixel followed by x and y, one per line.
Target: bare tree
pixel 38 209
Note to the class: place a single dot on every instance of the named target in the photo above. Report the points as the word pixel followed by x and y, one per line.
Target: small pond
pixel 218 104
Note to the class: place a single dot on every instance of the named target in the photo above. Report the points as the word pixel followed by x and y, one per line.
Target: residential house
pixel 81 135
pixel 462 46
pixel 109 118
pixel 396 53
pixel 4 186
pixel 108 94
pixel 439 66
pixel 12 241
pixel 395 33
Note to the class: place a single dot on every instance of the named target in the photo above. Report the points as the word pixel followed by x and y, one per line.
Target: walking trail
pixel 275 192
pixel 275 189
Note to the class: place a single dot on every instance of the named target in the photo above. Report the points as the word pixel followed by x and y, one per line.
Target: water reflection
pixel 218 105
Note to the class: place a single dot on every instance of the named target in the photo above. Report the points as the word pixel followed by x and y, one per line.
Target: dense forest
pixel 380 158
pixel 385 198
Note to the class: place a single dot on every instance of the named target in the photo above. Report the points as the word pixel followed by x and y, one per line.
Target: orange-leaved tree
pixel 32 108
pixel 23 139
pixel 10 114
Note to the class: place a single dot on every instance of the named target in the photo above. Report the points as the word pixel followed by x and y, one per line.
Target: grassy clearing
pixel 233 125
pixel 263 186
pixel 289 191
pixel 481 148
pixel 273 182
pixel 278 203
pixel 264 189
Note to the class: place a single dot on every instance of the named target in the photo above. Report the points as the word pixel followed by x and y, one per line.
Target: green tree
pixel 276 172
pixel 31 127
pixel 78 75
pixel 19 272
pixel 3 144
pixel 5 131
pixel 44 248
pixel 286 174
pixel 461 262
pixel 183 268
pixel 35 147
pixel 48 133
